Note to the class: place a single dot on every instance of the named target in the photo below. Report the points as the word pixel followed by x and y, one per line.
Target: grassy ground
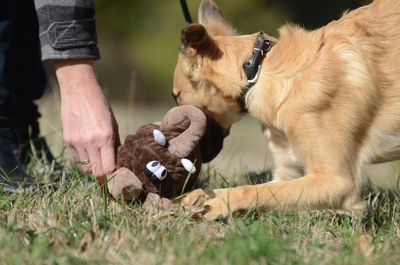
pixel 78 224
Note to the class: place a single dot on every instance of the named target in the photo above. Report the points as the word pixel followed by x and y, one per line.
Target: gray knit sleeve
pixel 67 29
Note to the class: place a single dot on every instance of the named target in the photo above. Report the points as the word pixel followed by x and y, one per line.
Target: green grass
pixel 79 224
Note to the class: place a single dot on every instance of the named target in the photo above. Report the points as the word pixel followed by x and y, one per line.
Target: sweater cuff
pixel 74 39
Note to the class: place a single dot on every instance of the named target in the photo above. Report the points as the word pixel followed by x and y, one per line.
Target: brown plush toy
pixel 163 159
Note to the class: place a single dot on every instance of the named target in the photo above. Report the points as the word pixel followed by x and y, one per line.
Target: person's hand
pixel 90 129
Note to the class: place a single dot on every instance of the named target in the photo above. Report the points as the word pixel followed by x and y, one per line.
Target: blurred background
pixel 139 43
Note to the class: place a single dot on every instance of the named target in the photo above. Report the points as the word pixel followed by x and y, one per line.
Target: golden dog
pixel 329 100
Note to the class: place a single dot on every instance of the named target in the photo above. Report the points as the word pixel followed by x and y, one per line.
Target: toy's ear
pixel 185 143
pixel 124 184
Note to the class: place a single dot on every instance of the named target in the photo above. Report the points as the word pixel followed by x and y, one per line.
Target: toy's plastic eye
pixel 153 166
pixel 161 173
pixel 159 137
pixel 188 165
pixel 155 171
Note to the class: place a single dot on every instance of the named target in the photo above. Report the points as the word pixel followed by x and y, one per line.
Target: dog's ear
pixel 211 17
pixel 196 41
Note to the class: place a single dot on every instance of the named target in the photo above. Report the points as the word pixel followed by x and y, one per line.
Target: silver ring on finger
pixel 84 162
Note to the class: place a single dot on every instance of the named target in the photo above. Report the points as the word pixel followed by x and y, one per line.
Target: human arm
pixel 68 38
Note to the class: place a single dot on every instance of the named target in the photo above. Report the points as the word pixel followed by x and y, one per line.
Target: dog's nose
pixel 175 95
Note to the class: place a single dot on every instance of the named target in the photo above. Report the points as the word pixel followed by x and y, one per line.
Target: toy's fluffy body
pixel 141 148
pixel 165 158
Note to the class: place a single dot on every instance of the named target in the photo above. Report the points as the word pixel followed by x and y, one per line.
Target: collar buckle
pixel 252 67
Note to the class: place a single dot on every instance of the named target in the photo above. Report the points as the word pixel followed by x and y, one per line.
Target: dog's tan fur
pixel 329 100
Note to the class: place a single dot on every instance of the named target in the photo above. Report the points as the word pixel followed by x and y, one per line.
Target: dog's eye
pixel 161 173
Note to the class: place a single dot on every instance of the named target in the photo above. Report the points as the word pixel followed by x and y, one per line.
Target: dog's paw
pixel 195 198
pixel 207 206
pixel 215 208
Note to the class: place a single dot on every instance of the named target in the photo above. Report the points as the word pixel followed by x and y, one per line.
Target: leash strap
pixel 186 12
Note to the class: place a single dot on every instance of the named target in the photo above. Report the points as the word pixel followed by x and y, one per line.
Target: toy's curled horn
pixel 183 144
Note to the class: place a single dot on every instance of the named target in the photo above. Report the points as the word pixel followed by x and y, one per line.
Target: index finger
pixel 107 153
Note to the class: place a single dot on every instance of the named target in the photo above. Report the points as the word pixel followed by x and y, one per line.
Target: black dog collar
pixel 252 67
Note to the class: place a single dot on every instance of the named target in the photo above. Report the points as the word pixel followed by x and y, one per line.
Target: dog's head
pixel 209 73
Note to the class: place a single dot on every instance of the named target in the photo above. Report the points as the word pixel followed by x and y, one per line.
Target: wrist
pixel 74 74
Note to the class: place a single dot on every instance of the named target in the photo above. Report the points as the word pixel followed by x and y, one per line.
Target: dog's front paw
pixel 194 198
pixel 208 206
pixel 215 208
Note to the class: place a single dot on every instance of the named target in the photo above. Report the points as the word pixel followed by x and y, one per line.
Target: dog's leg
pixel 311 191
pixel 286 165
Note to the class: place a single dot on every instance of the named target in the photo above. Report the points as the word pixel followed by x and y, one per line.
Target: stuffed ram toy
pixel 164 158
